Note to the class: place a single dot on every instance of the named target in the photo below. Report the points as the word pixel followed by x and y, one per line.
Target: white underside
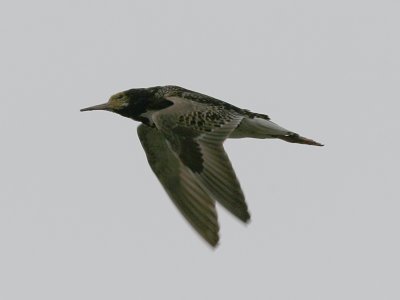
pixel 258 128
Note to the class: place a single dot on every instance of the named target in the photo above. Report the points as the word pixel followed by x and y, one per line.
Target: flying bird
pixel 182 133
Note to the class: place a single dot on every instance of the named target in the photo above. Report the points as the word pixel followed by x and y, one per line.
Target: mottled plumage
pixel 183 134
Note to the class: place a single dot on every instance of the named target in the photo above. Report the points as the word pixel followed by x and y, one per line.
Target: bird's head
pixel 130 103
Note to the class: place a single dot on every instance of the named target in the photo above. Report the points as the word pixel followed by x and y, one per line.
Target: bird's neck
pixel 146 116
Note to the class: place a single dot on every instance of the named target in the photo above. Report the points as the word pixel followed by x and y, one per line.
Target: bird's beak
pixel 104 106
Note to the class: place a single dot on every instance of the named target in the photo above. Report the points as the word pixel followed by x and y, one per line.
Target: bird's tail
pixel 295 138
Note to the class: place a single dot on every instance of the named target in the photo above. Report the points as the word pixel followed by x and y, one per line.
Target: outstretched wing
pixel 180 184
pixel 197 140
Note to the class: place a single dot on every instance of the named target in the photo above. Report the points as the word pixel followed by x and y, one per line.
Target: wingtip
pixel 212 240
pixel 215 245
pixel 243 216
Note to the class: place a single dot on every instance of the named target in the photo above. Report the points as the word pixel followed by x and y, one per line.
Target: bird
pixel 182 133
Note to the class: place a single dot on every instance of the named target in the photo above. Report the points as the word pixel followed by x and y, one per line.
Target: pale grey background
pixel 83 217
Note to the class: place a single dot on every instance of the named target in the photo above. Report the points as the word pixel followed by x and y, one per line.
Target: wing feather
pixel 201 149
pixel 219 178
pixel 185 191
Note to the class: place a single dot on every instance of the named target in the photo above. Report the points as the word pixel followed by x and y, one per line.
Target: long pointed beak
pixel 103 106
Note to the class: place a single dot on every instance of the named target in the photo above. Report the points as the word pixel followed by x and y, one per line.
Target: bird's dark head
pixel 131 103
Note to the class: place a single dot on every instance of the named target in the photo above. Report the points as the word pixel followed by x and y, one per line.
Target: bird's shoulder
pixel 205 102
pixel 173 91
pixel 193 112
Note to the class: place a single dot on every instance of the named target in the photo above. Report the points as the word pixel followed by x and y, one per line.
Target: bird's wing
pixel 199 146
pixel 180 184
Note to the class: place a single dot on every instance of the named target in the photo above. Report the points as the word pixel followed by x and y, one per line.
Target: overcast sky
pixel 83 217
